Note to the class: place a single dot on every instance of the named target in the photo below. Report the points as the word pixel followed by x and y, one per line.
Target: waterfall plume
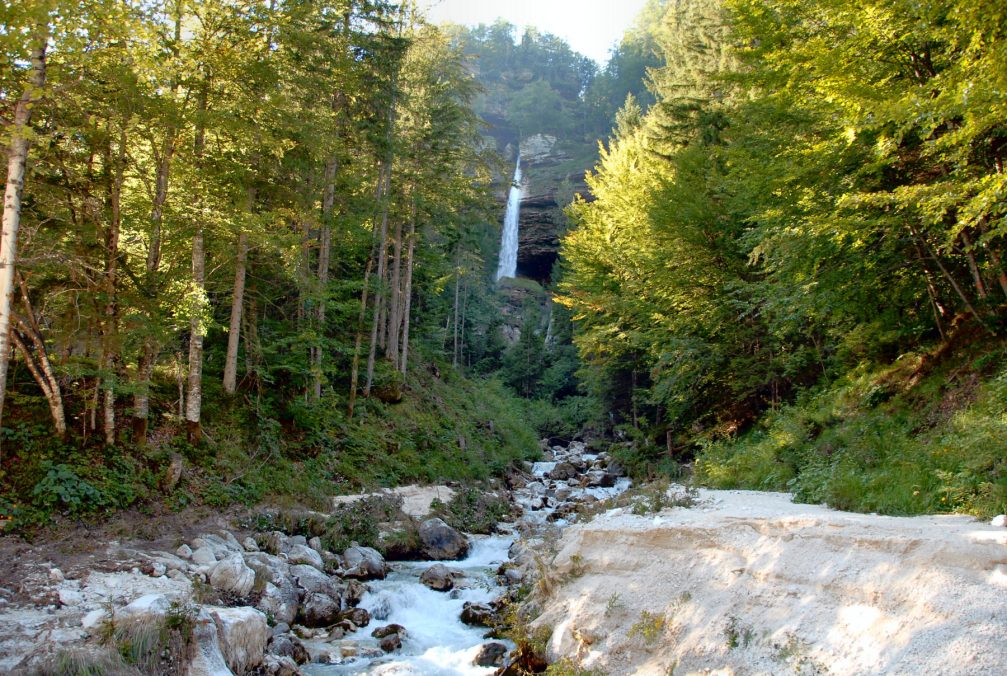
pixel 508 244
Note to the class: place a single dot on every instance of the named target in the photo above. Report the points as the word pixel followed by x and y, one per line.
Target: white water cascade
pixel 508 245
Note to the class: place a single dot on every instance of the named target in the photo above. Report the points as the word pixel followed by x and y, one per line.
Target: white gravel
pixel 751 583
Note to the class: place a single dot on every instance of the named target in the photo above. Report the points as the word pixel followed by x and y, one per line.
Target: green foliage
pixel 474 509
pixel 930 444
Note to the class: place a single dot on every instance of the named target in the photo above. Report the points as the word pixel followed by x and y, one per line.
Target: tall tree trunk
pixel 234 327
pixel 110 327
pixel 324 254
pixel 148 354
pixel 395 300
pixel 977 278
pixel 458 284
pixel 237 304
pixel 364 293
pixel 17 156
pixel 408 292
pixel 194 401
pixel 382 256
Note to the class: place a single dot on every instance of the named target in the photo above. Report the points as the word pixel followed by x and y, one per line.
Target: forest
pixel 257 241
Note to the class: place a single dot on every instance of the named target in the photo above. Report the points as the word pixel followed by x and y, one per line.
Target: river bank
pixel 657 580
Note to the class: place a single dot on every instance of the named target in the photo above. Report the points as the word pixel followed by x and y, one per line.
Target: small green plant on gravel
pixel 794 652
pixel 737 633
pixel 649 628
pixel 613 604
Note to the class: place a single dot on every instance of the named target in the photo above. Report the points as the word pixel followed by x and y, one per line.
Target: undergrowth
pixel 446 428
pixel 909 438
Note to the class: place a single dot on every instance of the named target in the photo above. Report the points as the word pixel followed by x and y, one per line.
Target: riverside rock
pixel 303 554
pixel 490 655
pixel 440 578
pixel 441 542
pixel 319 610
pixel 478 614
pixel 243 634
pixel 232 576
pixel 364 563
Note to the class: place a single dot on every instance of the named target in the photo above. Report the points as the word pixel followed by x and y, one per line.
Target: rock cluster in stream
pixel 269 604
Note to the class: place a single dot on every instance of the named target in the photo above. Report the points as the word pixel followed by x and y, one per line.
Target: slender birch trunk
pixel 237 304
pixel 17 156
pixel 194 400
pixel 41 369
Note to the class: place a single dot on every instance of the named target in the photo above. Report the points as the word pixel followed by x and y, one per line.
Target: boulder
pixel 563 471
pixel 478 615
pixel 184 551
pixel 388 630
pixel 280 602
pixel 274 542
pixel 490 655
pixel 243 634
pixel 250 545
pixel 279 665
pixel 318 610
pixel 310 579
pixel 440 542
pixel 391 643
pixel 148 604
pixel 203 556
pixel 389 637
pixel 357 616
pixel 440 578
pixel 316 544
pixel 364 563
pixel 303 554
pixel 353 593
pixel 600 479
pixel 207 659
pixel 287 645
pixel 232 576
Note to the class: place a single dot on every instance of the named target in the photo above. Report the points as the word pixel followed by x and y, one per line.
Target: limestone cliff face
pixel 549 184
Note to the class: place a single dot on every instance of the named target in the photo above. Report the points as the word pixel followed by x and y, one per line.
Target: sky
pixel 591 27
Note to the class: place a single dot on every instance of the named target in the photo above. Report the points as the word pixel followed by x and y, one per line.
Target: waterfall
pixel 508 245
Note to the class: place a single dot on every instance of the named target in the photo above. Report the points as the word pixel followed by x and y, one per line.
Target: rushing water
pixel 437 643
pixel 508 244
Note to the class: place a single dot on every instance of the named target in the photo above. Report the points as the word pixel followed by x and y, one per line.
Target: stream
pixel 437 642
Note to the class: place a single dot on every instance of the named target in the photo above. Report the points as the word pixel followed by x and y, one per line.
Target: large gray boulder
pixel 242 634
pixel 319 610
pixel 232 576
pixel 302 554
pixel 441 542
pixel 364 563
pixel 310 579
